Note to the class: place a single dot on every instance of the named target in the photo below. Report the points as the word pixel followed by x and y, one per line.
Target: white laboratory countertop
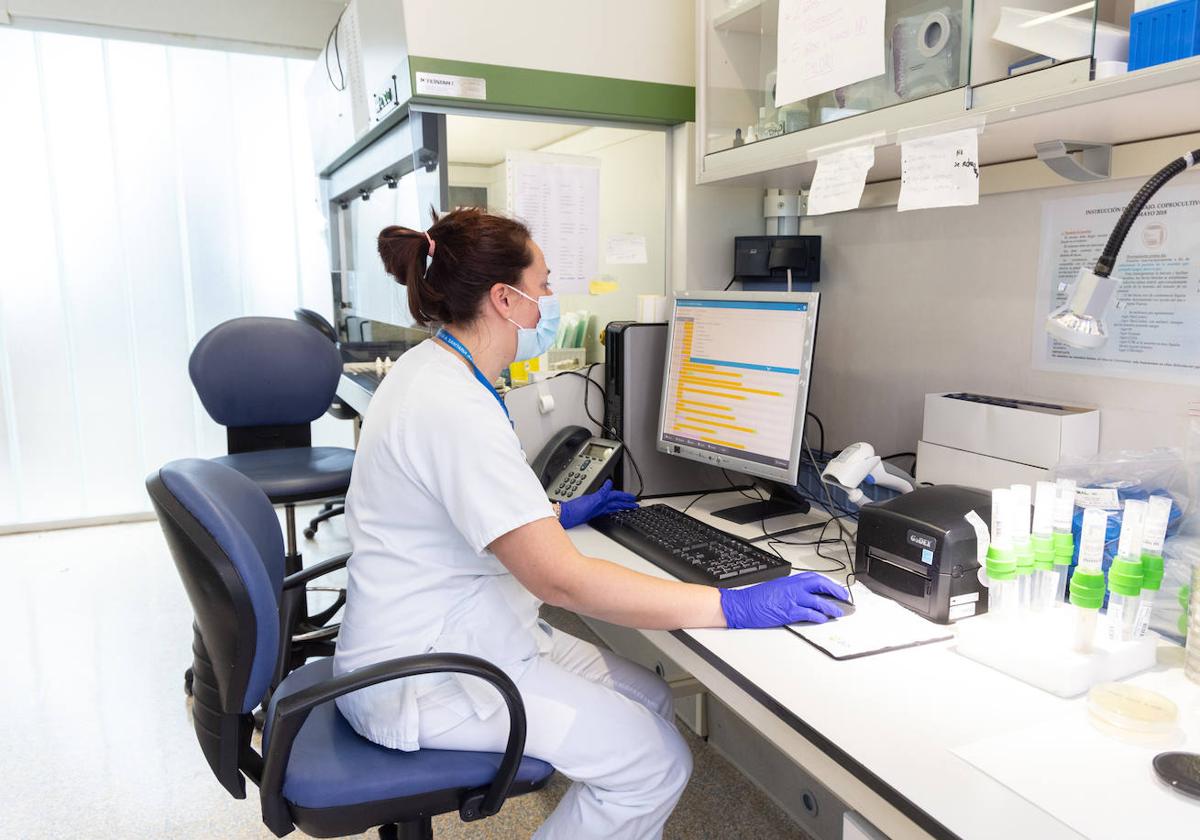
pixel 898 714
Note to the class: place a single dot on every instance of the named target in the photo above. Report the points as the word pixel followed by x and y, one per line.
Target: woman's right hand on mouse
pixel 782 601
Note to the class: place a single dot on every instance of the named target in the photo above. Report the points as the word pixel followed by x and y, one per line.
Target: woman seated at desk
pixel 456 547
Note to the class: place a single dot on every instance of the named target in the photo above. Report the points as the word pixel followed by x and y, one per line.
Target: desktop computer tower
pixel 635 363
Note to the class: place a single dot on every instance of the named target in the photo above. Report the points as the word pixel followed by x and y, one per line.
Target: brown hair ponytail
pixel 472 251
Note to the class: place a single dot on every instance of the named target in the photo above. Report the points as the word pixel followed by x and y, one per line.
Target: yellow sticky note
pixel 602 287
pixel 519 371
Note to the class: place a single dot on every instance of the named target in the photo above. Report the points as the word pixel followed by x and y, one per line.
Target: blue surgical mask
pixel 536 340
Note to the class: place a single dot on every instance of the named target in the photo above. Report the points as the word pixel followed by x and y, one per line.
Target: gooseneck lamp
pixel 1080 323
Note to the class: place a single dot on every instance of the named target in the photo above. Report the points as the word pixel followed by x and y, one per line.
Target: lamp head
pixel 1080 322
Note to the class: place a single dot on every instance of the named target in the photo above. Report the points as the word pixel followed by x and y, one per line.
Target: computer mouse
pixel 845 606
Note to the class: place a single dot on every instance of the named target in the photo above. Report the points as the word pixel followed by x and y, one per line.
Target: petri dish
pixel 1132 713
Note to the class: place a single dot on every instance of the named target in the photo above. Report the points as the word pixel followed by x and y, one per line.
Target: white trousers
pixel 603 722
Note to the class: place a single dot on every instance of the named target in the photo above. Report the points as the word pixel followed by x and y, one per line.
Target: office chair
pixel 338 409
pixel 265 380
pixel 314 773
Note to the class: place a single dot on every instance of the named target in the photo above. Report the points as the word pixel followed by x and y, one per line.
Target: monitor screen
pixel 736 386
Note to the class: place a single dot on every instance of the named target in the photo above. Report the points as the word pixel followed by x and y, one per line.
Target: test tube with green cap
pixel 1001 564
pixel 1064 540
pixel 1154 534
pixel 1125 574
pixel 1020 497
pixel 1087 584
pixel 1045 578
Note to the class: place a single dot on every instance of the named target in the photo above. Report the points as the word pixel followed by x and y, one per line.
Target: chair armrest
pixel 311 573
pixel 292 711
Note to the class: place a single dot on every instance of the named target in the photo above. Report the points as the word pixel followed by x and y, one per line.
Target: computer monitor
pixel 735 391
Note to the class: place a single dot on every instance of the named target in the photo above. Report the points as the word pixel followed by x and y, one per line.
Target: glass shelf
pixel 930 47
pixel 926 51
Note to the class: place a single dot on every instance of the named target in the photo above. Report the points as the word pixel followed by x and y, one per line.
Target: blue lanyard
pixel 461 349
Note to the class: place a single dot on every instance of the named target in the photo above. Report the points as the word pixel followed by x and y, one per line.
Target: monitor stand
pixel 777 504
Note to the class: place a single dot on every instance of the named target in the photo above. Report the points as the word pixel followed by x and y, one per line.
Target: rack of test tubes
pixel 1044 632
pixel 381 367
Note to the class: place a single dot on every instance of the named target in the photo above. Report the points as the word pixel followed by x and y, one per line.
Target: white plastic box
pixel 983 441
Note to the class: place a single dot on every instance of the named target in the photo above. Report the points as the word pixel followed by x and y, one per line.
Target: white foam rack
pixel 1038 648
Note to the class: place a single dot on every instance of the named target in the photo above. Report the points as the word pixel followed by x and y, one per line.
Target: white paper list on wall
pixel 838 183
pixel 940 171
pixel 1153 324
pixel 558 197
pixel 827 44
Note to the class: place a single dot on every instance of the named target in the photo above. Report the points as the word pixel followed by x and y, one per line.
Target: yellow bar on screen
pixel 721 442
pixel 710 393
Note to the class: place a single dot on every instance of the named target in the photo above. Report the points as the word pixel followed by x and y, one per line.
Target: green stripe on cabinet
pixel 562 94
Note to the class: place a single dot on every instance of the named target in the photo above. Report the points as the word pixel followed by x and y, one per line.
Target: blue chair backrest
pixel 225 539
pixel 264 372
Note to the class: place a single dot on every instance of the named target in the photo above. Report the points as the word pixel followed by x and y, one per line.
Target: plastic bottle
pixel 1019 496
pixel 1154 534
pixel 1191 662
pixel 1087 584
pixel 1125 574
pixel 1045 578
pixel 1064 539
pixel 1001 564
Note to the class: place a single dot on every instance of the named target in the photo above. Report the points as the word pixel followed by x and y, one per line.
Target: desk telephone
pixel 574 463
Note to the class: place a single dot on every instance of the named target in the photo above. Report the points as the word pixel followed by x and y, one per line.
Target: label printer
pixel 919 550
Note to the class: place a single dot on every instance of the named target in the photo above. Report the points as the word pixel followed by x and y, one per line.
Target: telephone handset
pixel 574 463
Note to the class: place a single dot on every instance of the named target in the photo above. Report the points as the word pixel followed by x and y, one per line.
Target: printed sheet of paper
pixel 625 249
pixel 1154 321
pixel 558 197
pixel 827 44
pixel 878 624
pixel 940 171
pixel 1064 763
pixel 839 180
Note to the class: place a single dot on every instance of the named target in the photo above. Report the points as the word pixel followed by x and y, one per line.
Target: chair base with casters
pixel 314 772
pixel 332 508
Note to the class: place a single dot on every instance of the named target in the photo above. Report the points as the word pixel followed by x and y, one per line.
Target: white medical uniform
pixel 438 475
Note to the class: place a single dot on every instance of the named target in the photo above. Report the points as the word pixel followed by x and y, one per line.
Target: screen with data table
pixel 737 377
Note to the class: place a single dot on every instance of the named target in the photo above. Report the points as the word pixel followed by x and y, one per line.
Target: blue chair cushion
pixel 264 372
pixel 292 475
pixel 332 765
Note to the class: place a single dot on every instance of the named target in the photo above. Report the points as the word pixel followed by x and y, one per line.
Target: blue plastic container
pixel 1164 33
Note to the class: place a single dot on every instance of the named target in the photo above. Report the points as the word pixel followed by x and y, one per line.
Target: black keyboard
pixel 689 549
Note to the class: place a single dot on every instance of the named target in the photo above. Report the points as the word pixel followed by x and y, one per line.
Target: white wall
pixel 289 26
pixel 623 39
pixel 944 300
pixel 705 220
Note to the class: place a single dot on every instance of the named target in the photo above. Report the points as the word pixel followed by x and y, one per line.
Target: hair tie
pixel 431 243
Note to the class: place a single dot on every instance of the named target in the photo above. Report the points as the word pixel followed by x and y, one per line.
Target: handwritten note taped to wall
pixel 940 171
pixel 625 249
pixel 558 197
pixel 839 180
pixel 827 44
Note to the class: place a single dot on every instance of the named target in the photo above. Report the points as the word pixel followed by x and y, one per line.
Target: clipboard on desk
pixel 878 625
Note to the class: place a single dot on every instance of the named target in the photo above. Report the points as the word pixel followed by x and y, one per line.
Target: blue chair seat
pixel 331 765
pixel 295 475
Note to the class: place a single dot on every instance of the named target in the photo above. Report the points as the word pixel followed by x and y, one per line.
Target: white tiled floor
pixel 95 737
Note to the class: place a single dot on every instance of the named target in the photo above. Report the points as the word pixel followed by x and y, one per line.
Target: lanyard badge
pixel 458 347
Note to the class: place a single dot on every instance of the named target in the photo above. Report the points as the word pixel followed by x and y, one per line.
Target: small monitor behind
pixel 735 391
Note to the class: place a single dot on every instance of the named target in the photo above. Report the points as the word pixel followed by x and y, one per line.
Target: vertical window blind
pixel 149 193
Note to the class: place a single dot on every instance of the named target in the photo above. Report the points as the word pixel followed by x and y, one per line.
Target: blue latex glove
pixel 605 500
pixel 782 601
